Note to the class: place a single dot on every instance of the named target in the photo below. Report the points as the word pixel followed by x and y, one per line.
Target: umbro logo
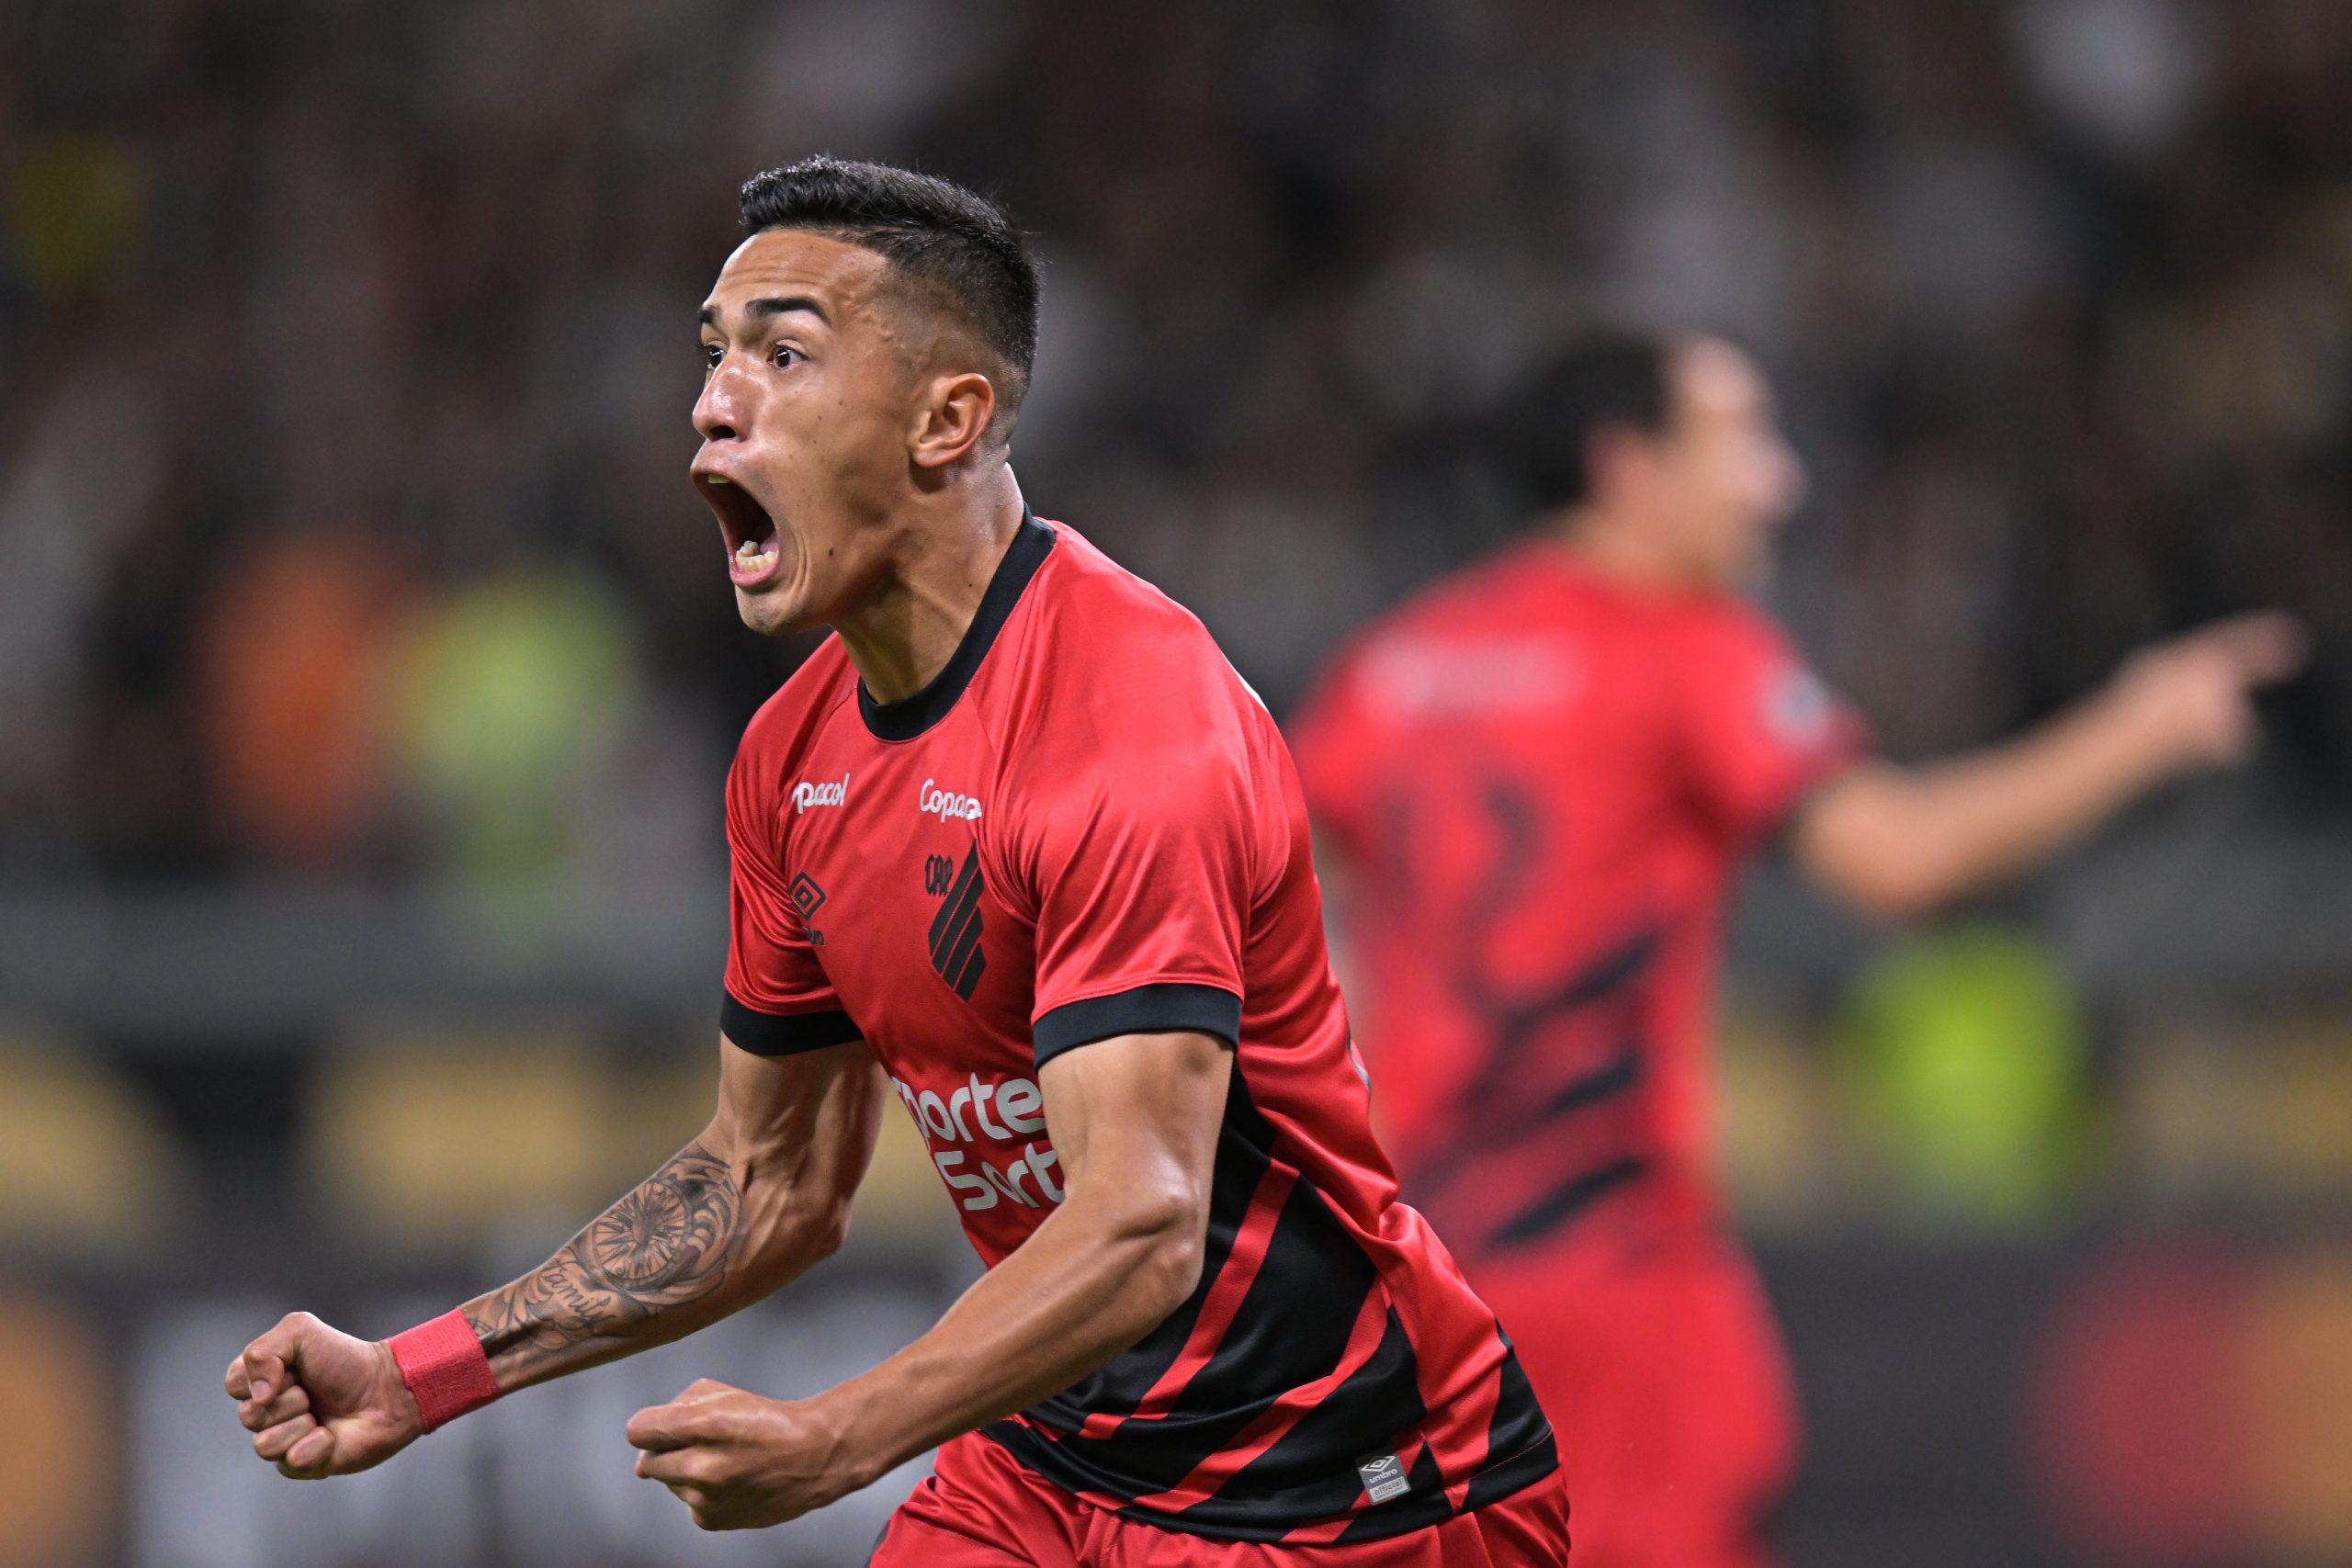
pixel 955 935
pixel 1384 1477
pixel 807 896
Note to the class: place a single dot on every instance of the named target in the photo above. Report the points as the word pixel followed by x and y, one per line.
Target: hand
pixel 320 1402
pixel 743 1462
pixel 2189 698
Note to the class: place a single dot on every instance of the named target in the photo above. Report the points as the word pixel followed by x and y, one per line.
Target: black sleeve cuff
pixel 782 1034
pixel 1147 1009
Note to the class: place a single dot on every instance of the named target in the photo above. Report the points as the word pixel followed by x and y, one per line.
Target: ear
pixel 1615 453
pixel 952 418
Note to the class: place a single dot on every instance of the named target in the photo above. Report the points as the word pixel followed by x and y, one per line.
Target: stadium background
pixel 366 673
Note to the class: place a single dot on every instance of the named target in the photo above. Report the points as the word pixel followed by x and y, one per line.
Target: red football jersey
pixel 1544 781
pixel 1086 827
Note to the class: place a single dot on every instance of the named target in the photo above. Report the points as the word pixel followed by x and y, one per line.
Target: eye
pixel 712 353
pixel 783 355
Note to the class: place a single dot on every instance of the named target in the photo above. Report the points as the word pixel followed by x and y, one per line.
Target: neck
pixel 1617 547
pixel 903 635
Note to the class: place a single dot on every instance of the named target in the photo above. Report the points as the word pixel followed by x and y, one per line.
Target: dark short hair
pixel 1544 431
pixel 959 247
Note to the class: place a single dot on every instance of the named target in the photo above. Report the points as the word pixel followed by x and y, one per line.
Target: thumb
pixel 660 1427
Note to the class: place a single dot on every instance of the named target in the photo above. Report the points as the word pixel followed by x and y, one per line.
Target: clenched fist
pixel 740 1461
pixel 321 1401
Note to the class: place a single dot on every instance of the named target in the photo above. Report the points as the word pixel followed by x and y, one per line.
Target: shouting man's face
pixel 813 396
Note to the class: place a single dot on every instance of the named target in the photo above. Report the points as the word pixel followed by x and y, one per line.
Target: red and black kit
pixel 1088 827
pixel 1545 781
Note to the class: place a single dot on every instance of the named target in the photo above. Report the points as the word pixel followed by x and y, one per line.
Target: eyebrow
pixel 771 305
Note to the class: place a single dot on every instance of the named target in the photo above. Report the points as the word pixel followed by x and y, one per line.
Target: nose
pixel 718 411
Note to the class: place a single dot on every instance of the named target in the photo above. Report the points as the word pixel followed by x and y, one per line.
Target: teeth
pixel 719 479
pixel 749 556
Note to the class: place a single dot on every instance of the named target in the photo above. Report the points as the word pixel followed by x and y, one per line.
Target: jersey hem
pixel 1140 1010
pixel 783 1035
pixel 1493 1482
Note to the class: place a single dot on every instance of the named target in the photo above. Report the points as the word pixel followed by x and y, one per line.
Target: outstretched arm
pixel 1896 842
pixel 734 1216
pixel 1135 1124
pixel 761 1194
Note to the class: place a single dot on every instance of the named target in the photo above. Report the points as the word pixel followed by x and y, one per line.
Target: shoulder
pixel 1115 681
pixel 1726 633
pixel 1100 604
pixel 791 717
pixel 1109 652
pixel 1742 675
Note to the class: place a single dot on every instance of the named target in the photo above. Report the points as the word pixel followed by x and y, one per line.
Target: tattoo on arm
pixel 665 1245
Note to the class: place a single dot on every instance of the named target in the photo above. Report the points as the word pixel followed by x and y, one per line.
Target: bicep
pixel 1857 837
pixel 1136 1118
pixel 809 1117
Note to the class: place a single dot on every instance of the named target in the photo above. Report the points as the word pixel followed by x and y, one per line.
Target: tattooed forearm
pixel 665 1246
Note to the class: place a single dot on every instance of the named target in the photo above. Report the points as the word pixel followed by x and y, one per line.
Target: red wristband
pixel 444 1369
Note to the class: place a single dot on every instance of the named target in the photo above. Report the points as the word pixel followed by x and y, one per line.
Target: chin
pixel 769 612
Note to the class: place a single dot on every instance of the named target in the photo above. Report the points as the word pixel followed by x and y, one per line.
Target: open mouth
pixel 754 544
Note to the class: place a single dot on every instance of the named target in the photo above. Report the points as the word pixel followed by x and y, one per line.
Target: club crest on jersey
pixel 955 953
pixel 832 792
pixel 945 805
pixel 1797 707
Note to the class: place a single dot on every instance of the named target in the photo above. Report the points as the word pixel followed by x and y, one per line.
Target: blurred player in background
pixel 1017 847
pixel 1537 780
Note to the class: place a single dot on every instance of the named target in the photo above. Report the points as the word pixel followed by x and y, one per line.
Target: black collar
pixel 910 716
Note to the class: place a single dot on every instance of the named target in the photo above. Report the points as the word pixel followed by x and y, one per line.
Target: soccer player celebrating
pixel 1018 847
pixel 1541 775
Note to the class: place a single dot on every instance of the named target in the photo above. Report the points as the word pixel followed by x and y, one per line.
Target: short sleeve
pixel 1140 869
pixel 777 1000
pixel 1760 730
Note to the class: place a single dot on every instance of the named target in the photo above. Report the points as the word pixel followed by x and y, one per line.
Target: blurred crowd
pixel 347 554
pixel 346 351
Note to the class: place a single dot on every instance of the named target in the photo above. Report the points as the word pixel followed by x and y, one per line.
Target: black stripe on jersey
pixel 909 718
pixel 1612 1078
pixel 1563 1202
pixel 1520 1452
pixel 955 930
pixel 1120 1386
pixel 968 976
pixel 1290 1329
pixel 1419 1510
pixel 1142 1010
pixel 1518 1432
pixel 1501 1122
pixel 1361 1415
pixel 1422 1509
pixel 782 1034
